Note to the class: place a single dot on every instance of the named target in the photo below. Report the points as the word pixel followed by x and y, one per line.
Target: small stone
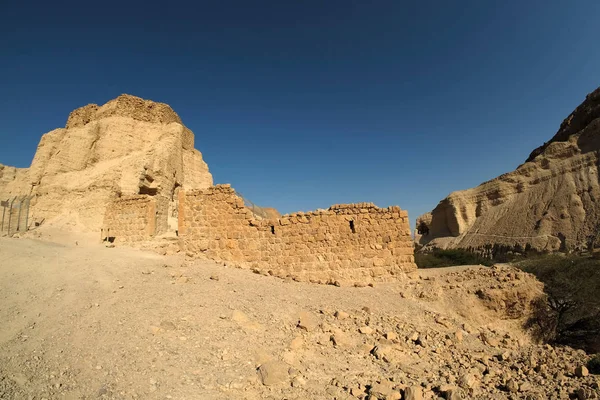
pixel 391 336
pixel 581 371
pixel 450 392
pixel 296 343
pixel 273 372
pixel 394 396
pixel 459 336
pixel 381 390
pixel 341 315
pixel 366 330
pixel 525 387
pixel 586 393
pixel 298 381
pixel 413 393
pixel 414 336
pixel 386 353
pixel 214 277
pixel 307 321
pixel 468 381
pixel 167 325
pixel 155 330
pixel 488 339
pixel 339 338
pixel 366 348
pixel 512 386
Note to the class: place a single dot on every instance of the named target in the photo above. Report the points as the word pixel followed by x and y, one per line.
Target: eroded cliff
pixel 126 146
pixel 549 203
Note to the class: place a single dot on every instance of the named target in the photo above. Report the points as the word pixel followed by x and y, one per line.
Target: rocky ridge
pixel 549 203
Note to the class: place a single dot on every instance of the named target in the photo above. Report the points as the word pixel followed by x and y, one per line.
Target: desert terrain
pixel 81 320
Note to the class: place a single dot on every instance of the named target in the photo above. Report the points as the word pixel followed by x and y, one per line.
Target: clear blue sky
pixel 303 104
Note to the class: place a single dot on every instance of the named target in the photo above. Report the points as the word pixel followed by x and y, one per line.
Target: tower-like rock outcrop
pixel 127 146
pixel 549 203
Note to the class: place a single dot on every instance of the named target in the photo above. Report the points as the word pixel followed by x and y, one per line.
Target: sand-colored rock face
pixel 551 202
pixel 127 146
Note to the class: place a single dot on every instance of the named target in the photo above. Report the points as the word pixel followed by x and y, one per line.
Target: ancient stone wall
pixel 134 218
pixel 356 243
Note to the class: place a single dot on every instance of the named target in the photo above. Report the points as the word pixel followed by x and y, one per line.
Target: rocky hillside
pixel 126 146
pixel 551 202
pixel 117 323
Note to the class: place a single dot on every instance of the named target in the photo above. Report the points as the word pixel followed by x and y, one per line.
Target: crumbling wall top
pixel 125 106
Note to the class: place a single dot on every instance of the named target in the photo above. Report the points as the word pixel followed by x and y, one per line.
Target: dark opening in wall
pixel 352 227
pixel 148 191
pixel 177 185
pixel 273 229
pixel 111 239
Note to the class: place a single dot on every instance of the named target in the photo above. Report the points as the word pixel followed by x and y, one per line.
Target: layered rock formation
pixel 126 146
pixel 549 203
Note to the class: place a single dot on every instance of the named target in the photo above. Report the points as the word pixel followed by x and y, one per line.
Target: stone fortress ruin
pixel 129 169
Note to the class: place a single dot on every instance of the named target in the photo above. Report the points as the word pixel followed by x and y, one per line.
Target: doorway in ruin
pixel 173 211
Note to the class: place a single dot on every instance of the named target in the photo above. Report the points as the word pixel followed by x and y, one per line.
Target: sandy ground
pixel 82 321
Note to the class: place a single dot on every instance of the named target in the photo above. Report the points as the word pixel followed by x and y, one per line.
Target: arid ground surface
pixel 83 321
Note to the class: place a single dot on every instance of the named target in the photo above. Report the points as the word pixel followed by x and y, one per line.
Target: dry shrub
pixel 570 314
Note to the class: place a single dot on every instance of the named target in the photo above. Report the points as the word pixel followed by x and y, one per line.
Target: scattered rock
pixel 587 393
pixel 459 336
pixel 273 373
pixel 168 325
pixel 298 381
pixel 296 343
pixel 366 330
pixel 450 392
pixel 468 381
pixel 307 321
pixel 340 339
pixel 155 330
pixel 381 390
pixel 581 371
pixel 341 315
pixel 512 386
pixel 413 393
pixel 525 387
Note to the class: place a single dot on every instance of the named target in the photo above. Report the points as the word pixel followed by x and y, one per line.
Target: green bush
pixel 571 314
pixel 448 258
pixel 594 364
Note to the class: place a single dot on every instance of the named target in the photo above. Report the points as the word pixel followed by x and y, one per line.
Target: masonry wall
pixel 134 218
pixel 359 243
